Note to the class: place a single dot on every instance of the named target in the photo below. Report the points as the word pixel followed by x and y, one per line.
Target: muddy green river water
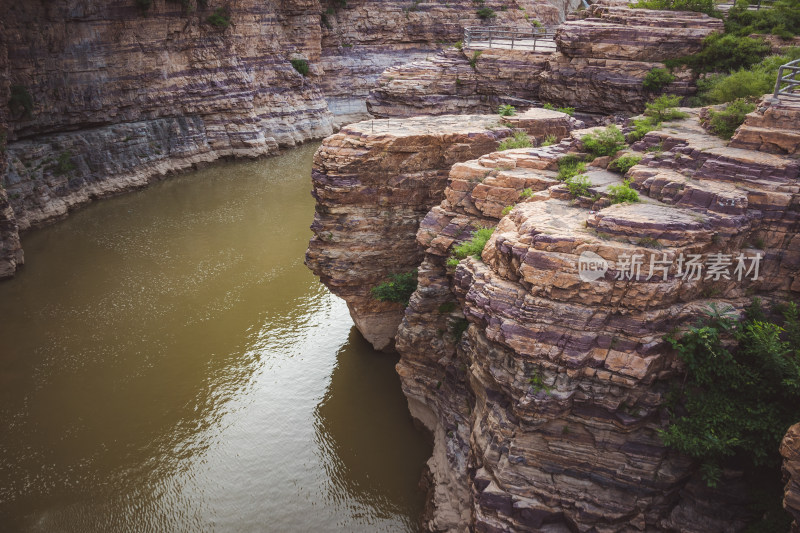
pixel 168 364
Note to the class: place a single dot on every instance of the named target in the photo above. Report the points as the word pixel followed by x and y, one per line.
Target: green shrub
pixel 570 166
pixel 724 123
pixel 725 53
pixel 550 140
pixel 300 65
pixel 625 163
pixel 641 127
pixel 459 45
pixel 527 192
pixel 473 61
pixel 738 398
pixel 622 193
pixel 663 108
pixel 578 185
pixel 657 79
pixel 486 13
pixel 398 289
pixel 474 246
pixel 21 102
pixel 220 18
pixel 604 142
pixel 744 83
pixel 506 110
pixel 568 110
pixel 702 6
pixel 519 139
pixel 506 210
pixel 64 164
pixel 782 19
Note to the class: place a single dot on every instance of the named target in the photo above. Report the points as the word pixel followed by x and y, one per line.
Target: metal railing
pixel 788 75
pixel 513 38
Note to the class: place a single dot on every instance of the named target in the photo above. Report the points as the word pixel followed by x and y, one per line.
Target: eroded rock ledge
pixel 544 391
pixel 374 181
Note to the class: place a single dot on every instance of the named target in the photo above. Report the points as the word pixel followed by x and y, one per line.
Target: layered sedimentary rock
pixel 10 250
pixel 545 388
pixel 602 58
pixel 790 449
pixel 374 181
pixel 772 127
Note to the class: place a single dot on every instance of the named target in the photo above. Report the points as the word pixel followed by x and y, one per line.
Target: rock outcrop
pixel 598 65
pixel 543 383
pixel 772 127
pixel 374 181
pixel 10 250
pixel 790 449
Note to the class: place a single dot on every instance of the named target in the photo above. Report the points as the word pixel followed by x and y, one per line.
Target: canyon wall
pixel 600 59
pixel 544 389
pixel 105 96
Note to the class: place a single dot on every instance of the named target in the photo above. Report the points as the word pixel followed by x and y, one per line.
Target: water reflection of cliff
pixel 370 448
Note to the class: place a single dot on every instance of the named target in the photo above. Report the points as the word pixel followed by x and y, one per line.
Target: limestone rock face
pixel 598 64
pixel 790 449
pixel 545 389
pixel 374 181
pixel 772 127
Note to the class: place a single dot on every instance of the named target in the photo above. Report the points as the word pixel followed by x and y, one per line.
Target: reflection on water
pixel 167 363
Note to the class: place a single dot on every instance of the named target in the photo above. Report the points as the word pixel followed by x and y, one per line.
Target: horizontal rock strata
pixel 773 127
pixel 790 449
pixel 374 181
pixel 545 390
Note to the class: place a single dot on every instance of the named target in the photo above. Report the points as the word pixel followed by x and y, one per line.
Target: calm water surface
pixel 168 364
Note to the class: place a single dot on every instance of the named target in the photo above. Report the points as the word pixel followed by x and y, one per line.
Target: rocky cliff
pixel 790 449
pixel 545 388
pixel 105 96
pixel 597 64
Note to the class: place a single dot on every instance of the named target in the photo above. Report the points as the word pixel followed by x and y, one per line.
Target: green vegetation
pixel 21 102
pixel 447 307
pixel 657 79
pixel 604 142
pixel 641 127
pixel 663 108
pixel 724 123
pixel 474 246
pixel 782 19
pixel 398 289
pixel 506 110
pixel 300 65
pixel 459 45
pixel 220 18
pixel 623 164
pixel 537 382
pixel 724 53
pixel 570 166
pixel 64 164
pixel 506 210
pixel 701 6
pixel 527 192
pixel 486 13
pixel 578 185
pixel 622 193
pixel 473 61
pixel 519 139
pixel 550 140
pixel 458 327
pixel 745 83
pixel 739 397
pixel 568 110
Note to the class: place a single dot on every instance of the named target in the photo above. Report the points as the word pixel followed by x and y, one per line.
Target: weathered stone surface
pixel 545 391
pixel 790 450
pixel 773 127
pixel 374 181
pixel 11 254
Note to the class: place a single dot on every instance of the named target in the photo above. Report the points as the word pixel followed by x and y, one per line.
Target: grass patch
pixel 519 139
pixel 724 123
pixel 604 142
pixel 473 61
pixel 622 193
pixel 474 246
pixel 506 210
pixel 568 110
pixel 550 140
pixel 570 166
pixel 625 163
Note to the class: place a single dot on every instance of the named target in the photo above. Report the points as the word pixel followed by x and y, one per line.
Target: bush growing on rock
pixel 300 65
pixel 486 13
pixel 657 79
pixel 519 139
pixel 739 397
pixel 568 110
pixel 570 166
pixel 622 193
pixel 604 142
pixel 474 246
pixel 625 163
pixel 506 110
pixel 724 123
pixel 702 6
pixel 745 83
pixel 578 185
pixel 664 108
pixel 64 164
pixel 782 19
pixel 220 18
pixel 473 61
pixel 398 289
